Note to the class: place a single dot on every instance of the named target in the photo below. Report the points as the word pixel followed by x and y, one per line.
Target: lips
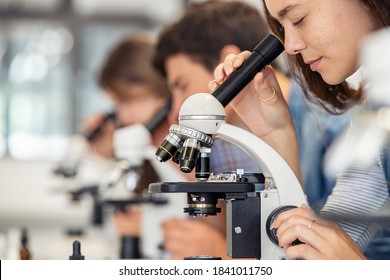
pixel 314 64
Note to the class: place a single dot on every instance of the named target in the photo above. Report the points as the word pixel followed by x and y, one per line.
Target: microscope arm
pixel 273 166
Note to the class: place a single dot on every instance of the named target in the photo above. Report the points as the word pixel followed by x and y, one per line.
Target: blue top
pixel 316 130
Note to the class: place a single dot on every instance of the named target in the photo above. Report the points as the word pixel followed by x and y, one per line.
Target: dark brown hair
pixel 334 98
pixel 208 27
pixel 131 62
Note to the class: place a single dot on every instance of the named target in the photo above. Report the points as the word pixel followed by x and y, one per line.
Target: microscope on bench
pixel 115 186
pixel 250 211
pixel 134 150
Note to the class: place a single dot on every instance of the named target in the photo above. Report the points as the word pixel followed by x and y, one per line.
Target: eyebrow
pixel 283 12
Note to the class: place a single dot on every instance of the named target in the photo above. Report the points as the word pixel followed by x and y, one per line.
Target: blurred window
pixel 49 65
pixel 35 88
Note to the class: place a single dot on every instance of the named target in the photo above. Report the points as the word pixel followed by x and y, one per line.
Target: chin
pixel 332 80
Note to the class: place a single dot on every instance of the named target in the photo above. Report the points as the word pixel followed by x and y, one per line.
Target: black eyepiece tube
pixel 94 133
pixel 159 117
pixel 263 54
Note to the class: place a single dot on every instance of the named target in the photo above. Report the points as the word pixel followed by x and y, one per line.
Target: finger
pixel 219 73
pixel 267 87
pixel 302 232
pixel 240 58
pixel 228 67
pixel 291 228
pixel 231 63
pixel 303 211
pixel 213 85
pixel 303 251
pixel 299 211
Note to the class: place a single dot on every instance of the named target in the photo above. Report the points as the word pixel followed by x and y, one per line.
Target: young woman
pixel 323 43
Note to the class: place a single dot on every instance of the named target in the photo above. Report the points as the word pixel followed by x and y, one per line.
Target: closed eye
pixel 298 22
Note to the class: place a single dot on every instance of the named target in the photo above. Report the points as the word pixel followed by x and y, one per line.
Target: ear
pixel 227 50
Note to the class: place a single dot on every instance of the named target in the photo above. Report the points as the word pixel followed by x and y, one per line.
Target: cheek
pixel 134 114
pixel 126 117
pixel 176 107
pixel 341 60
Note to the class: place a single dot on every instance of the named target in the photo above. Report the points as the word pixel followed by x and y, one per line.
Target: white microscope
pixel 132 147
pixel 250 212
pixel 112 182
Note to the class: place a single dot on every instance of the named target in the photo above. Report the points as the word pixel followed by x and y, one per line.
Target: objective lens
pixel 202 170
pixel 177 155
pixel 189 155
pixel 168 147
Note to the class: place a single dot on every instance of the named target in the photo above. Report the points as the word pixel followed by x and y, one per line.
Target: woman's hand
pixel 321 239
pixel 261 104
pixel 262 107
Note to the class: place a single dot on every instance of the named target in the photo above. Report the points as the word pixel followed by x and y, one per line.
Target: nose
pixel 293 42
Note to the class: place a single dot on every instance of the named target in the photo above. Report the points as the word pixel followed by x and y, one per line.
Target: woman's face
pixel 328 34
pixel 140 105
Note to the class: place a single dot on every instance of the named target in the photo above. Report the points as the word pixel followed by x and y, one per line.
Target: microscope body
pixel 249 211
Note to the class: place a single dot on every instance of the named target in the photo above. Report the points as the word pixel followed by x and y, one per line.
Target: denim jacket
pixel 316 130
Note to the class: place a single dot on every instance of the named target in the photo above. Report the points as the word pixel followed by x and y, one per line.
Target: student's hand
pixel 322 239
pixel 261 104
pixel 128 222
pixel 188 238
pixel 263 108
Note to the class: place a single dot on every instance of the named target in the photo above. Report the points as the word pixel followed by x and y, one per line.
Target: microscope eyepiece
pixel 263 54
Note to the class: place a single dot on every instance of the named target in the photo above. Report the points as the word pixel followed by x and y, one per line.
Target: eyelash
pixel 298 22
